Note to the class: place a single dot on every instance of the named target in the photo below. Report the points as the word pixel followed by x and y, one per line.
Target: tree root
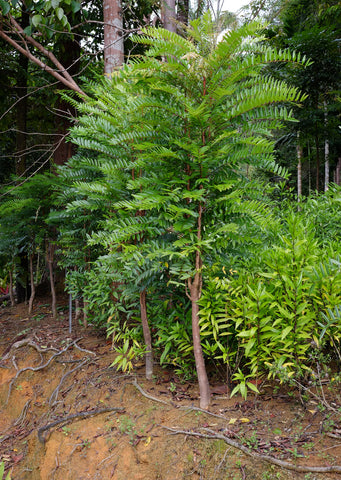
pixel 21 418
pixel 42 438
pixel 267 458
pixel 40 367
pixel 213 435
pixel 22 343
pixel 172 405
pixel 54 395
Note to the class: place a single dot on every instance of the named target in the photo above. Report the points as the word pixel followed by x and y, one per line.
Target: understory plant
pixel 280 320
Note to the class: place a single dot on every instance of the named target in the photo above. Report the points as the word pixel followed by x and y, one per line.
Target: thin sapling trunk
pixel 146 335
pixel 11 293
pixel 50 255
pixel 33 287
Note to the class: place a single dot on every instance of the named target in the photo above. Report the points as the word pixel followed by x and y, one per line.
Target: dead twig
pixel 74 416
pixel 211 434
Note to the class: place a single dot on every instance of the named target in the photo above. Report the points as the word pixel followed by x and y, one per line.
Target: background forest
pixel 176 169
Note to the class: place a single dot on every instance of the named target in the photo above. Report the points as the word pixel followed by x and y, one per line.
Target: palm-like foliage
pixel 174 131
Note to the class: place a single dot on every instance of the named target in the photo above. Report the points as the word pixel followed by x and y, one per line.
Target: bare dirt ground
pixel 66 415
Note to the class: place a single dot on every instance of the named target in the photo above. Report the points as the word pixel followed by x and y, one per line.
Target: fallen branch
pixel 266 458
pixel 43 439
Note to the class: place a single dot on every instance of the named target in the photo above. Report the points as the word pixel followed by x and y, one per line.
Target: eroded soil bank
pixel 66 415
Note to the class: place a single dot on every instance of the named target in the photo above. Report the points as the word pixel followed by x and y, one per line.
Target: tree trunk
pixel 299 169
pixel 69 56
pixel 33 287
pixel 49 259
pixel 113 39
pixel 77 309
pixel 195 287
pixel 85 313
pixel 11 293
pixel 168 15
pixel 338 172
pixel 326 150
pixel 183 11
pixel 21 107
pixel 146 335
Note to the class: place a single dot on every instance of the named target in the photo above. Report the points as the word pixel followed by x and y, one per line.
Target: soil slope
pixel 65 414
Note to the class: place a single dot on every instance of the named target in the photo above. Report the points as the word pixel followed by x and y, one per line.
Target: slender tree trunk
pixel 11 293
pixel 299 168
pixel 33 287
pixel 85 313
pixel 204 387
pixel 195 289
pixel 168 15
pixel 146 335
pixel 69 56
pixel 49 259
pixel 113 39
pixel 326 150
pixel 338 172
pixel 317 162
pixel 183 11
pixel 21 107
pixel 78 309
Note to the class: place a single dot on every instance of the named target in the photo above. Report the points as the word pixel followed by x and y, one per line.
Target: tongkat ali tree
pixel 191 125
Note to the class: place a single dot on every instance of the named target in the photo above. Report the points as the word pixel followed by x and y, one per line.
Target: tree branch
pixel 72 85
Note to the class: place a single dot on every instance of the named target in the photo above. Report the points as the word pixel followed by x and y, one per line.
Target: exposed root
pixel 65 420
pixel 83 349
pixel 22 343
pixel 266 458
pixel 40 367
pixel 54 395
pixel 145 394
pixel 172 405
pixel 21 418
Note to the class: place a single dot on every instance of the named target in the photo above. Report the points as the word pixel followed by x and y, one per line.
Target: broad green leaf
pixel 75 6
pixel 59 13
pixel 36 20
pixel 5 6
pixel 286 332
pixel 28 30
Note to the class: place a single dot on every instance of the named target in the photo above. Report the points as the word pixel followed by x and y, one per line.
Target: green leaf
pixel 252 387
pixel 36 20
pixel 75 6
pixel 286 332
pixel 28 30
pixel 5 6
pixel 59 13
pixel 55 3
